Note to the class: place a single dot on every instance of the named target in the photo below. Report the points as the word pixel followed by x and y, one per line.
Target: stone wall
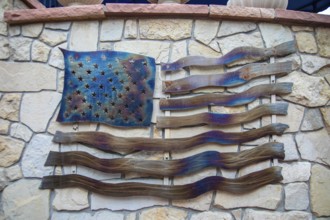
pixel 31 82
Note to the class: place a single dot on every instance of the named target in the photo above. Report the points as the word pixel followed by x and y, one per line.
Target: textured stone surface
pixel 326 117
pixel 322 37
pixel 296 196
pixel 163 213
pixel 265 197
pixel 295 172
pixel 14 31
pixel 234 27
pixel 131 29
pixel 306 42
pixel 53 37
pixel 88 29
pixel 101 215
pixel 20 131
pixel 20 77
pixel 20 48
pixel 58 25
pixel 320 190
pixel 32 30
pixel 10 150
pixel 165 29
pixel 251 214
pixel 23 200
pixel 4 126
pixel 40 51
pixel 9 105
pixel 112 30
pixel 211 216
pixel 238 40
pixel 205 30
pixel 291 152
pixel 312 120
pixel 157 50
pixel 293 118
pixel 302 28
pixel 4 48
pixel 35 155
pixel 314 146
pixel 312 64
pixel 56 58
pixel 70 199
pixel 3 179
pixel 307 90
pixel 13 173
pixel 274 34
pixel 38 108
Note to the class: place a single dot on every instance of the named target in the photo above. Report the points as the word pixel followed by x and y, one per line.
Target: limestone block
pixel 40 51
pixel 10 150
pixel 326 117
pixel 4 126
pixel 4 48
pixel 3 179
pixel 237 213
pixel 23 77
pixel 239 40
pixel 35 155
pixel 56 58
pixel 38 108
pixel 253 167
pixel 158 50
pixel 179 50
pixel 20 131
pixel 320 190
pixel 3 28
pixel 84 36
pixel 307 90
pixel 32 30
pixel 24 200
pixel 70 199
pixel 233 27
pixel 205 30
pixel 100 215
pixel 306 42
pixel 274 34
pixel 13 173
pixel 131 27
pixel 295 172
pixel 251 214
pixel 9 105
pixel 14 30
pixel 210 215
pixel 164 213
pixel 21 48
pixel 267 197
pixel 105 46
pixel 112 30
pixel 296 196
pixel 302 28
pixel 322 37
pixel 58 25
pixel 311 64
pixel 53 37
pixel 291 152
pixel 314 146
pixel 165 29
pixel 131 216
pixel 312 120
pixel 292 57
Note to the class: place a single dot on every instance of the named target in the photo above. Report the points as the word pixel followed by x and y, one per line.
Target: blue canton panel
pixel 110 87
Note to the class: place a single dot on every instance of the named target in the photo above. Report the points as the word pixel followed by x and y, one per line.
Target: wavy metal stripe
pixel 226 100
pixel 109 143
pixel 252 54
pixel 240 185
pixel 219 119
pixel 169 167
pixel 235 78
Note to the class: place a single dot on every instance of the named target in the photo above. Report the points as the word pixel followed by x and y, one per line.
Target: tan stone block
pixel 9 105
pixel 4 48
pixel 275 34
pixel 326 117
pixel 163 213
pixel 205 30
pixel 56 58
pixel 4 126
pixel 251 214
pixel 131 28
pixel 210 215
pixel 32 30
pixel 112 30
pixel 295 172
pixel 90 32
pixel 312 64
pixel 40 51
pixel 21 48
pixel 233 27
pixel 312 120
pixel 302 28
pixel 70 199
pixel 322 37
pixel 306 42
pixel 10 151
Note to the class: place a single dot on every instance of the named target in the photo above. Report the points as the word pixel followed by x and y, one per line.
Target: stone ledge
pixel 95 12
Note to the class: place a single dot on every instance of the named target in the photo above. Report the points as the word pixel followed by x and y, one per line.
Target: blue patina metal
pixel 110 87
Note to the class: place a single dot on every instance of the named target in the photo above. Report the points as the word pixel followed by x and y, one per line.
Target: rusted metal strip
pixel 226 100
pixel 235 78
pixel 169 167
pixel 109 143
pixel 251 54
pixel 217 119
pixel 240 185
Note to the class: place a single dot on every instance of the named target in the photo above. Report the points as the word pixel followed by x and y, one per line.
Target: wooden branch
pixel 230 79
pixel 169 167
pixel 35 4
pixel 216 119
pixel 240 185
pixel 109 143
pixel 252 54
pixel 226 100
